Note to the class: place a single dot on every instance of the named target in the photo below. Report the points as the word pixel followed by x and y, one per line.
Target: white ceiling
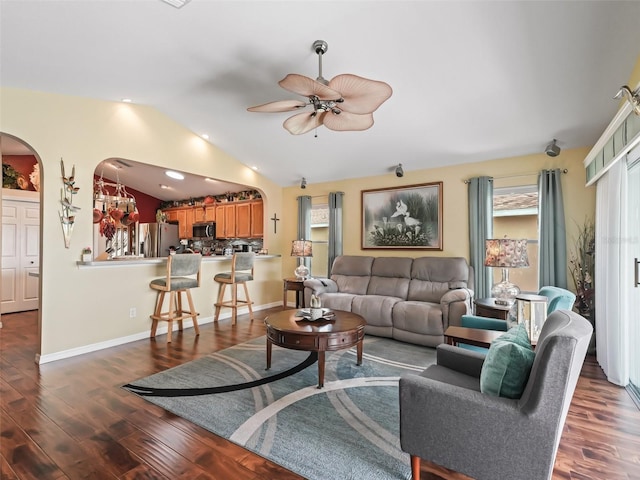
pixel 472 80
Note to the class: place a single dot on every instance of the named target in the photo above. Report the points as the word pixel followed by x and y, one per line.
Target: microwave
pixel 204 230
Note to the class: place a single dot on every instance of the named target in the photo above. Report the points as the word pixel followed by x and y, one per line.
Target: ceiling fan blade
pixel 361 95
pixel 346 121
pixel 280 106
pixel 303 122
pixel 307 86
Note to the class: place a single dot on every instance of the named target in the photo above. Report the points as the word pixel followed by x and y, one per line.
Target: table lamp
pixel 506 253
pixel 301 249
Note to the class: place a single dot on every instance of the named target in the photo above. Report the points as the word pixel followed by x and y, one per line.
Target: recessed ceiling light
pixel 255 167
pixel 163 186
pixel 205 136
pixel 172 174
pixel 126 100
pixel 210 179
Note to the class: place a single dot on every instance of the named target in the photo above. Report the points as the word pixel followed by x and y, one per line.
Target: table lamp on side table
pixel 506 253
pixel 301 249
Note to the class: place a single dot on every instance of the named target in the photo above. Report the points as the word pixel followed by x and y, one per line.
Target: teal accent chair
pixel 558 299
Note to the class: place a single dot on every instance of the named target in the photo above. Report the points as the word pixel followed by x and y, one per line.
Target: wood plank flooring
pixel 71 420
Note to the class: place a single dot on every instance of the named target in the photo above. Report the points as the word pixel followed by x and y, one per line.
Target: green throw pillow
pixel 507 365
pixel 517 334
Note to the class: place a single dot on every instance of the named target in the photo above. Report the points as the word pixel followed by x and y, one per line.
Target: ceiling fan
pixel 345 103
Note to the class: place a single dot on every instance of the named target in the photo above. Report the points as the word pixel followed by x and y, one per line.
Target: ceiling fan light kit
pixel 345 103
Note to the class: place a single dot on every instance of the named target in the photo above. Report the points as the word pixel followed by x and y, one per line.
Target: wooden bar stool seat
pixel 183 274
pixel 241 273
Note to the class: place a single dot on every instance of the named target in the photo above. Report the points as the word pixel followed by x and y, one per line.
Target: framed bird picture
pixel 408 217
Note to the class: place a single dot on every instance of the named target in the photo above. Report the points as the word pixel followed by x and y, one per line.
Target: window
pixel 320 239
pixel 515 215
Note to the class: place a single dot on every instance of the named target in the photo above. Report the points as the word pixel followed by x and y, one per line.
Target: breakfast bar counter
pixel 124 261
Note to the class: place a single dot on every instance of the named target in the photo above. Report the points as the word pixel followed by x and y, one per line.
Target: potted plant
pixel 581 268
pixel 86 254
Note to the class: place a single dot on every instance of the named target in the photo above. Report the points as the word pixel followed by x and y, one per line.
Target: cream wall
pixel 579 200
pixel 85 306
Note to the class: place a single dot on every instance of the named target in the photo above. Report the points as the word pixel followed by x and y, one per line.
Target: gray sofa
pixel 409 299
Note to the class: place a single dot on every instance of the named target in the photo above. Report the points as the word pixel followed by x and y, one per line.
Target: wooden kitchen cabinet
pixel 183 230
pixel 226 221
pixel 198 214
pixel 243 220
pixel 257 219
pixel 172 215
pixel 184 216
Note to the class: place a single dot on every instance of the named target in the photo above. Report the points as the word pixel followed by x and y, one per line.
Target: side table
pixel 296 285
pixel 472 336
pixel 487 307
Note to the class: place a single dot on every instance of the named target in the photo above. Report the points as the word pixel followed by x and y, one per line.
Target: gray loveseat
pixel 409 299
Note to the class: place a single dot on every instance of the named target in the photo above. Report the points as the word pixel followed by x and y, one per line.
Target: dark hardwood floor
pixel 70 418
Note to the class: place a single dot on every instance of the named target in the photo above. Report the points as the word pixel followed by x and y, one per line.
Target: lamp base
pixel 505 292
pixel 301 272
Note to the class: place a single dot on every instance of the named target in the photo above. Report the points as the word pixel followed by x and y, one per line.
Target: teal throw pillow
pixel 506 368
pixel 517 334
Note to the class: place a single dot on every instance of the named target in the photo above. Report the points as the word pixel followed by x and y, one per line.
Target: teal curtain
pixel 304 223
pixel 552 232
pixel 335 227
pixel 480 228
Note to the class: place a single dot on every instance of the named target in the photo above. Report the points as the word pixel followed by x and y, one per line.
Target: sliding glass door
pixel 633 260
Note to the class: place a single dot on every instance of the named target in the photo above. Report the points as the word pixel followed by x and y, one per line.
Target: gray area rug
pixel 347 430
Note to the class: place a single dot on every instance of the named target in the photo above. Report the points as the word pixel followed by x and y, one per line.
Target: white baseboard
pixel 162 329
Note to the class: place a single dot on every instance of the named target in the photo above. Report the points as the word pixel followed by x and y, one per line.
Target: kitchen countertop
pixel 124 261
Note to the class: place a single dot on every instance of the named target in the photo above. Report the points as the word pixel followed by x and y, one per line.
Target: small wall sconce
pixel 399 171
pixel 303 183
pixel 633 97
pixel 553 150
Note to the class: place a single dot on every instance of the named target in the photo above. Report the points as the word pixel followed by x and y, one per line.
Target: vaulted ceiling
pixel 471 80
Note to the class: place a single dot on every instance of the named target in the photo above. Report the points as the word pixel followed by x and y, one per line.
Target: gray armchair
pixel 445 419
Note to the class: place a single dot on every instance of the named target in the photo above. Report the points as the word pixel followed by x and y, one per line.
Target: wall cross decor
pixel 275 224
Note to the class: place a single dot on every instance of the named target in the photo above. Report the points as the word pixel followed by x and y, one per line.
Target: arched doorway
pixel 21 227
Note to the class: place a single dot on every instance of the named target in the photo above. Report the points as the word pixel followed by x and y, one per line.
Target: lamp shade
pixel 506 253
pixel 301 248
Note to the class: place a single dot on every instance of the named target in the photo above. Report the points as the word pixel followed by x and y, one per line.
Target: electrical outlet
pixel 132 312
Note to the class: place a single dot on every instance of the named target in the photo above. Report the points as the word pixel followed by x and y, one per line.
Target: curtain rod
pixel 519 175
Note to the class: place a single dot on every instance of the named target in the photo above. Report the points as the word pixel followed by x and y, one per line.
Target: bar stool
pixel 181 270
pixel 241 273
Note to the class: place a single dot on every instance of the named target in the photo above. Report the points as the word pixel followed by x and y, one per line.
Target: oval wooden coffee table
pixel 286 330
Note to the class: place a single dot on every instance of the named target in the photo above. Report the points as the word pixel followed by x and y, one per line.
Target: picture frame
pixel 402 218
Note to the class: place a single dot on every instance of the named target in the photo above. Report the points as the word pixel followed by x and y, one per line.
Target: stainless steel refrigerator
pixel 158 237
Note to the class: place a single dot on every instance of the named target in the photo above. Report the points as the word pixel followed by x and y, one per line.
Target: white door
pixel 20 255
pixel 633 261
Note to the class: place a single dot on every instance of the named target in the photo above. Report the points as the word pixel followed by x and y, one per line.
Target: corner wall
pixel 84 306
